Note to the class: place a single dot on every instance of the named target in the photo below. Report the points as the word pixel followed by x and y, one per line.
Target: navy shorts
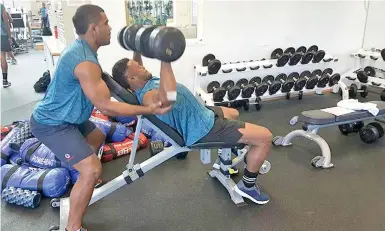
pixel 224 130
pixel 5 45
pixel 67 141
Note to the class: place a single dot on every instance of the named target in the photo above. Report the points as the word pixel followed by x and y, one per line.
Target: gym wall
pixel 375 33
pixel 243 30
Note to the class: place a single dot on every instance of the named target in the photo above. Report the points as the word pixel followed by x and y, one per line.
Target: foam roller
pixel 18 196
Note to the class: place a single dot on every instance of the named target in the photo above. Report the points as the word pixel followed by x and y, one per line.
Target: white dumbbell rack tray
pixel 203 78
pixel 368 57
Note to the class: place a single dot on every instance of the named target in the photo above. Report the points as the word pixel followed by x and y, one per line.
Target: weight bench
pixel 314 120
pixel 135 171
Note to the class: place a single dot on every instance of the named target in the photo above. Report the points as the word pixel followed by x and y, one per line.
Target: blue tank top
pixel 188 116
pixel 65 101
pixel 3 30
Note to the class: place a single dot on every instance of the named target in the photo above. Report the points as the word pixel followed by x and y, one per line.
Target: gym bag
pixel 42 84
pixel 98 115
pixel 14 139
pixel 50 182
pixel 114 132
pixel 115 150
pixel 38 155
pixel 128 121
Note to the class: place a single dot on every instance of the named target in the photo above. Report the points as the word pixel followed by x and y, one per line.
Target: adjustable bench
pixel 314 120
pixel 135 171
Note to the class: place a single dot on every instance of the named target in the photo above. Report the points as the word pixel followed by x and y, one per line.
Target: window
pixel 182 14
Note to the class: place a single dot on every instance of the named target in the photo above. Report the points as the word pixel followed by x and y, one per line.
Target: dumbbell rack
pixel 368 57
pixel 350 78
pixel 244 70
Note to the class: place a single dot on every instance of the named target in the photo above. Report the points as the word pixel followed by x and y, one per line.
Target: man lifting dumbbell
pixel 196 122
pixel 61 120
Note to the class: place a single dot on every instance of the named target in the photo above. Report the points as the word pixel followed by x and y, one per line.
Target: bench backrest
pixel 130 98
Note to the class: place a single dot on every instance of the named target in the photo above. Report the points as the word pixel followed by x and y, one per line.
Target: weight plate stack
pixel 318 56
pixel 334 79
pixel 307 58
pixel 276 53
pixel 283 60
pixel 294 60
pixel 370 71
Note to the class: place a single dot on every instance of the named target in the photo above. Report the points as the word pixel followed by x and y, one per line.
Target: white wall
pixel 244 30
pixel 375 29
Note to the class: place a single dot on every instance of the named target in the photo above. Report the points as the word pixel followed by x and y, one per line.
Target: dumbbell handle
pixel 283 81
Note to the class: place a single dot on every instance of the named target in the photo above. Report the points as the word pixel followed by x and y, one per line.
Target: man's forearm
pixel 167 86
pixel 138 58
pixel 113 108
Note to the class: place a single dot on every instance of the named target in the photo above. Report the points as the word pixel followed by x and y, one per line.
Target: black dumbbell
pixel 311 54
pixel 274 86
pixel 353 90
pixel 247 89
pixel 382 95
pixel 334 79
pixel 213 65
pixel 220 92
pixel 323 77
pixel 349 128
pixel 311 81
pixel 383 54
pixel 296 55
pixel 287 84
pixel 164 43
pixel 371 133
pixel 283 58
pixel 299 83
pixel 260 88
pixel 363 75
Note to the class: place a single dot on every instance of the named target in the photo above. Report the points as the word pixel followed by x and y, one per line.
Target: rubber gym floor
pixel 179 195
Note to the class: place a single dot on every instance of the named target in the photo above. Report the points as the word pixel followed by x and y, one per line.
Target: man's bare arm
pixel 167 89
pixel 138 58
pixel 89 75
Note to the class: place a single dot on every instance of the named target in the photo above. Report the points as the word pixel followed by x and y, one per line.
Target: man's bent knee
pixel 256 135
pixel 89 168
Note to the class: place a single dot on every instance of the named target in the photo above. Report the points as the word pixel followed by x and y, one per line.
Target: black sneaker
pixel 6 84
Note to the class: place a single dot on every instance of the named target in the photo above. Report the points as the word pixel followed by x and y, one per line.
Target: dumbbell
pixel 353 90
pixel 371 132
pixel 311 54
pixel 349 128
pixel 287 84
pixel 383 54
pixel 299 83
pixel 274 86
pixel 260 87
pixel 283 58
pixel 311 81
pixel 161 42
pixel 323 77
pixel 363 75
pixel 247 89
pixel 220 92
pixel 213 65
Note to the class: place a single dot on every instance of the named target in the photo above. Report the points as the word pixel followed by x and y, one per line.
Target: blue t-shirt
pixel 188 116
pixel 3 28
pixel 65 101
pixel 43 12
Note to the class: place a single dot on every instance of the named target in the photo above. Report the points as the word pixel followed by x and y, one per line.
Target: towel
pixel 353 104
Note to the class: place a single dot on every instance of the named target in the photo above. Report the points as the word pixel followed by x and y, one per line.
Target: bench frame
pixel 135 171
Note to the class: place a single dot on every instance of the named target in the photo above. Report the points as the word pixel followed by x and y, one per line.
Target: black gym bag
pixel 42 84
pixel 47 31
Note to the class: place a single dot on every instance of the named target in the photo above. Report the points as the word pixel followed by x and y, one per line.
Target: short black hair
pixel 119 72
pixel 84 16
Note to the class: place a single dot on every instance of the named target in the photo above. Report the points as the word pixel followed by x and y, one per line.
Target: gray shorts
pixel 224 130
pixel 67 141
